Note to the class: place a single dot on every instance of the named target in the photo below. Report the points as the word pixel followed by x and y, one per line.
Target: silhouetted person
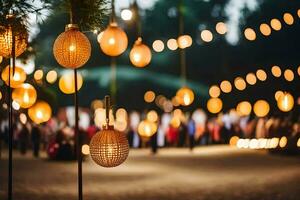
pixel 23 139
pixel 154 143
pixel 36 139
pixel 191 127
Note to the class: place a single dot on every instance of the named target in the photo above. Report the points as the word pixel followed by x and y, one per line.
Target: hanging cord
pixel 138 19
pixel 113 84
pixel 182 51
pixel 113 12
pixel 107 108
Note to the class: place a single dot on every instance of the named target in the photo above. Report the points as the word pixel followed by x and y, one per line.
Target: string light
pixel 278 94
pixel 239 83
pixel 226 86
pixel 276 71
pixel 276 24
pixel 221 28
pixel 172 44
pixel 251 79
pixel 261 108
pixel 214 91
pixel 158 46
pixel 285 102
pixel 206 36
pixel 51 76
pixel 265 29
pixel 38 75
pixel 149 96
pixel 288 18
pixel 289 75
pixel 184 41
pixel 261 75
pixel 250 34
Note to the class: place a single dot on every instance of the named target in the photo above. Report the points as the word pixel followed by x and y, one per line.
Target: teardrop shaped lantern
pixel 72 49
pixel 140 55
pixel 40 112
pixel 16 79
pixel 113 40
pixel 185 96
pixel 285 102
pixel 109 147
pixel 25 95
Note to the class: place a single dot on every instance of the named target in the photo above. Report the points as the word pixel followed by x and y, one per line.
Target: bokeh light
pixel 276 24
pixel 214 105
pixel 289 75
pixel 250 34
pixel 226 86
pixel 261 75
pixel 38 75
pixel 126 14
pixel 276 71
pixel 239 83
pixel 206 36
pixel 67 84
pixel 51 76
pixel 149 96
pixel 278 94
pixel 244 108
pixel 261 108
pixel 285 102
pixel 221 28
pixel 184 41
pixel 172 44
pixel 288 18
pixel 158 46
pixel 251 79
pixel 214 91
pixel 265 29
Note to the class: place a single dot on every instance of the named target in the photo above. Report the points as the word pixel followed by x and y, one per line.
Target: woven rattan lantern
pixel 25 95
pixel 40 112
pixel 113 40
pixel 17 79
pixel 140 55
pixel 285 102
pixel 72 49
pixel 109 147
pixel 6 38
pixel 185 96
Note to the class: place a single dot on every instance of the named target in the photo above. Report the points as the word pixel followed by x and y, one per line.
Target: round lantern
pixel 285 102
pixel 113 40
pixel 72 49
pixel 6 39
pixel 67 84
pixel 214 105
pixel 109 147
pixel 17 79
pixel 40 112
pixel 244 108
pixel 261 108
pixel 140 54
pixel 25 95
pixel 146 128
pixel 185 96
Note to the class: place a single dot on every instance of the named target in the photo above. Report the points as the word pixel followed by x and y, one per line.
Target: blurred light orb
pixel 251 79
pixel 206 36
pixel 226 86
pixel 276 24
pixel 17 79
pixel 214 105
pixel 100 117
pixel 167 106
pixel 214 91
pixel 288 18
pixel 298 142
pixel 233 141
pixel 239 83
pixel 298 71
pixel 23 118
pixel 67 84
pixel 97 103
pixel 265 29
pixel 51 76
pixel 126 14
pixel 121 115
pixel 289 75
pixel 261 75
pixel 221 28
pixel 244 108
pixel 152 116
pixel 38 75
pixel 149 96
pixel 140 54
pixel 72 49
pixel 250 34
pixel 285 102
pixel 99 37
pixel 184 41
pixel 114 40
pixel 175 101
pixel 1 59
pixel 15 105
pixel 278 94
pixel 276 71
pixel 158 45
pixel 283 142
pixel 40 112
pixel 185 96
pixel 85 149
pixel 273 143
pixel 172 44
pixel 261 108
pixel 0 95
pixel 25 95
pixel 146 128
pixel 109 147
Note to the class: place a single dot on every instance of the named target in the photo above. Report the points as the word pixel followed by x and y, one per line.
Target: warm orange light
pixel 283 142
pixel 40 112
pixel 17 79
pixel 251 79
pixel 244 108
pixel 152 116
pixel 226 86
pixel 158 46
pixel 214 91
pixel 233 140
pixel 214 105
pixel 239 83
pixel 278 94
pixel 67 85
pixel 140 54
pixel 289 75
pixel 184 41
pixel 261 108
pixel 221 28
pixel 298 70
pixel 113 41
pixel 206 36
pixel 38 75
pixel 261 75
pixel 276 71
pixel 185 96
pixel 72 49
pixel 250 34
pixel 276 24
pixel 285 102
pixel 25 95
pixel 288 18
pixel 265 29
pixel 146 128
pixel 172 44
pixel 51 76
pixel 149 96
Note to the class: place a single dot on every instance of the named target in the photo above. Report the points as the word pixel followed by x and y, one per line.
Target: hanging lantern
pixel 244 108
pixel 40 112
pixel 25 95
pixel 285 102
pixel 6 38
pixel 72 49
pixel 214 105
pixel 140 54
pixel 146 129
pixel 113 40
pixel 261 108
pixel 17 79
pixel 67 84
pixel 109 147
pixel 185 96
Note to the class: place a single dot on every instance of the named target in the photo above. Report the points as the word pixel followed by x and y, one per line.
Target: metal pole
pixel 113 85
pixel 79 142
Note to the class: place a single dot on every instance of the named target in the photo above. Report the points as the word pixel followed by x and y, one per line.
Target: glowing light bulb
pixel 72 47
pixel 39 114
pixel 111 41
